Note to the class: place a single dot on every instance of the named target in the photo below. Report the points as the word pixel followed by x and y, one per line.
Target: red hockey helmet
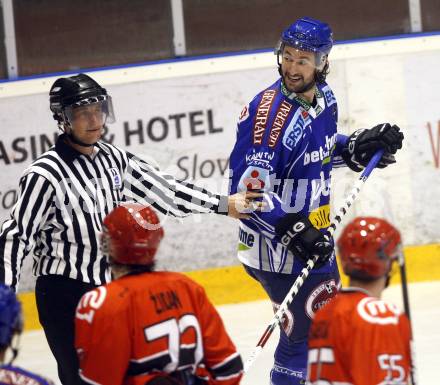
pixel 367 247
pixel 131 234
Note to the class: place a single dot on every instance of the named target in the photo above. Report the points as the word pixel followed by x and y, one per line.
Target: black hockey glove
pixel 303 240
pixel 363 144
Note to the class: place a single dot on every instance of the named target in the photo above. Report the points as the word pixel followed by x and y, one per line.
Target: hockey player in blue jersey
pixel 11 325
pixel 287 144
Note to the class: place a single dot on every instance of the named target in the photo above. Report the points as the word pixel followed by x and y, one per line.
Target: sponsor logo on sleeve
pixel 329 96
pixel 262 115
pixel 278 124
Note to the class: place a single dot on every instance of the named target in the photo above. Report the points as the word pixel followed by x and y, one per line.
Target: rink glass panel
pixel 213 26
pixel 66 35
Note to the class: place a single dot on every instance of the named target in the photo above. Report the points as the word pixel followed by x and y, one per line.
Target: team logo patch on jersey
pixel 278 124
pixel 116 178
pixel 376 311
pixel 295 130
pixel 262 115
pixel 320 296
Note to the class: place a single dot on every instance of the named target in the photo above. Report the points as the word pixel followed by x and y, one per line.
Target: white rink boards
pixel 184 114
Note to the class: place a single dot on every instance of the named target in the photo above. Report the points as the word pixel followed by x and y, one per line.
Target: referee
pixel 64 196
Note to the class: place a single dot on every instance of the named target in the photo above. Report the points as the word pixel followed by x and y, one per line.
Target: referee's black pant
pixel 57 297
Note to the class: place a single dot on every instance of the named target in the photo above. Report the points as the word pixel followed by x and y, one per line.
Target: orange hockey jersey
pixel 140 325
pixel 359 340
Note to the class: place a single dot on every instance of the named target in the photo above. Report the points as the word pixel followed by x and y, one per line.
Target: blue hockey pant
pixel 291 353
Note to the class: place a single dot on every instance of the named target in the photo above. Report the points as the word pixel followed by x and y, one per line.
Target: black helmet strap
pixel 62 123
pixel 77 141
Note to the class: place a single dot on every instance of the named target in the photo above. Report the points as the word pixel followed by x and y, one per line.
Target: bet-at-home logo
pixel 323 154
pixel 246 240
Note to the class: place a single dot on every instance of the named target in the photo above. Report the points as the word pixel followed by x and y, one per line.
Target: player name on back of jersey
pixel 165 300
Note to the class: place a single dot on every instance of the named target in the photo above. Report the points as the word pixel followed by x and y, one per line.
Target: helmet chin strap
pixel 388 276
pixel 77 141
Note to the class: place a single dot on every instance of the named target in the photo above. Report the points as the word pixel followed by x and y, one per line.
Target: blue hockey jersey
pixel 286 148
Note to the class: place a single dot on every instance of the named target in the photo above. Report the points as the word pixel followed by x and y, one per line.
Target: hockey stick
pixel 405 296
pixel 404 283
pixel 277 319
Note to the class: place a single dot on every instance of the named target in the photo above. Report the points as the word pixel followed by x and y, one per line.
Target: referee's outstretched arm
pixel 146 184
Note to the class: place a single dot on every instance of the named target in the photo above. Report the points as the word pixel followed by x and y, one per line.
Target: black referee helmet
pixel 76 91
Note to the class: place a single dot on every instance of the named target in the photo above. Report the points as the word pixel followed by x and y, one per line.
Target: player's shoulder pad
pixel 248 110
pixel 192 287
pixel 184 279
pixel 328 94
pixel 377 311
pixel 39 167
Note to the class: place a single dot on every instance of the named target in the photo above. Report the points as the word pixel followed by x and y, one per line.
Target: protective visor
pixel 95 110
pixel 300 54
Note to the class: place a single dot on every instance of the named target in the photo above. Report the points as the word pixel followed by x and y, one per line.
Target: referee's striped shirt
pixel 63 199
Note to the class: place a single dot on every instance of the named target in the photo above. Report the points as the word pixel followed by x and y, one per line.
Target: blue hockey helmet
pixel 10 315
pixel 307 34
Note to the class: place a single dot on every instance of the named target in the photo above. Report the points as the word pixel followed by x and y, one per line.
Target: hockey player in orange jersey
pixel 148 327
pixel 358 338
